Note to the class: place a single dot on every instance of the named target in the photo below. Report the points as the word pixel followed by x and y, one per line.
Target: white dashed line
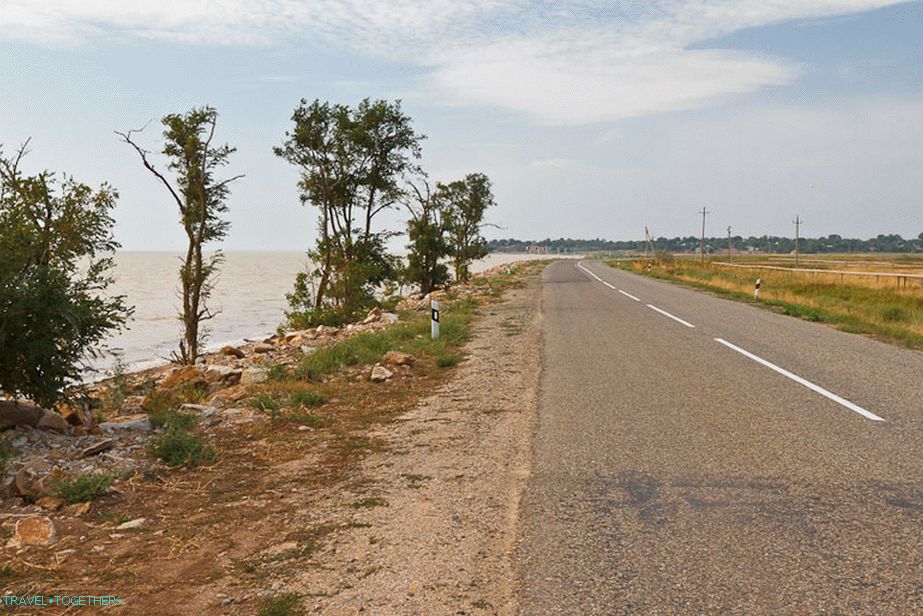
pixel 667 314
pixel 801 381
pixel 627 294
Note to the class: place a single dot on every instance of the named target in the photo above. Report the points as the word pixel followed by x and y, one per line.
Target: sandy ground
pixel 443 495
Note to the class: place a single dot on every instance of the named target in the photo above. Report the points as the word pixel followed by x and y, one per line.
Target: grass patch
pixel 276 372
pixel 82 487
pixel 411 336
pixel 288 604
pixel 178 447
pixel 191 392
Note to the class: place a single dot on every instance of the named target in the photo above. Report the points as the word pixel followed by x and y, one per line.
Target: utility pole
pixel 798 222
pixel 729 244
pixel 704 213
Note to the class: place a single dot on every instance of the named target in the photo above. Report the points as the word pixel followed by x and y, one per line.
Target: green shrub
pixel 310 419
pixel 283 605
pixel 82 487
pixel 306 398
pixel 178 447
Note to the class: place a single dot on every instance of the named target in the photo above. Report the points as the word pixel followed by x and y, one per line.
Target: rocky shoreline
pixel 112 438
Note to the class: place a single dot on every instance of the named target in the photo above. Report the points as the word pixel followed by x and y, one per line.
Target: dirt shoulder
pixel 393 497
pixel 447 484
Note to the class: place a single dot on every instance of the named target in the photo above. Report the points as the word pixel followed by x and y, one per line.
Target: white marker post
pixel 434 329
pixel 756 290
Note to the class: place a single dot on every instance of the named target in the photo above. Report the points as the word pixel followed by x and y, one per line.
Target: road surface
pixel 695 455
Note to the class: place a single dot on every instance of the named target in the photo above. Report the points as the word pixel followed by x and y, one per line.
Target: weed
pixel 192 392
pixel 265 402
pixel 310 419
pixel 82 487
pixel 113 397
pixel 287 604
pixel 157 402
pixel 448 361
pixel 173 419
pixel 177 447
pixel 277 372
pixel 368 503
pixel 7 573
pixel 306 398
pixel 6 454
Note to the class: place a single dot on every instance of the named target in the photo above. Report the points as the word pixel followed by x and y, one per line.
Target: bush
pixel 192 392
pixel 276 372
pixel 82 487
pixel 56 244
pixel 178 447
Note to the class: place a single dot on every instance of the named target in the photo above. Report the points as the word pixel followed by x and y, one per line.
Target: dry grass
pixel 867 305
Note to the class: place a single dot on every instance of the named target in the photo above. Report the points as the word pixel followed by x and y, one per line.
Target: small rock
pixel 198 408
pixel 389 317
pixel 50 503
pixel 78 509
pixel 140 425
pixel 22 483
pixel 396 358
pixel 373 316
pixel 98 448
pixel 232 351
pixel 307 350
pixel 36 530
pixel 182 375
pixel 263 347
pixel 380 374
pixel 131 524
pixel 253 376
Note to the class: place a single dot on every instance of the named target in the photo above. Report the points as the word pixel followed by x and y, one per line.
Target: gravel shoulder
pixel 443 495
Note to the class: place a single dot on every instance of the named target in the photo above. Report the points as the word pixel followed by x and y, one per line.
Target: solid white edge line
pixel 627 294
pixel 667 314
pixel 609 285
pixel 801 381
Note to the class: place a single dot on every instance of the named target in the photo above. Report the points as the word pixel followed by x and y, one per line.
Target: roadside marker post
pixel 756 290
pixel 434 324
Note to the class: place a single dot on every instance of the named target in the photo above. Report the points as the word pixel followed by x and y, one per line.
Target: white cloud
pixel 565 64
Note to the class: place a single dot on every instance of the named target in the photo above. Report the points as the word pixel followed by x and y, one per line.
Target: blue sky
pixel 592 118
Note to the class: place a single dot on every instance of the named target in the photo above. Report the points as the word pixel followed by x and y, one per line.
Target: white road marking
pixel 801 381
pixel 667 314
pixel 627 294
pixel 609 285
pixel 580 265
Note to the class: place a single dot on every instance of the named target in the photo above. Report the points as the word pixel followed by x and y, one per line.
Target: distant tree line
pixel 766 244
pixel 57 241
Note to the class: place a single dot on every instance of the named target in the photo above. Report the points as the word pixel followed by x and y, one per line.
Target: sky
pixel 592 119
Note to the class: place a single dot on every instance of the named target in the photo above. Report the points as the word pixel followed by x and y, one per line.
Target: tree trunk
pixel 22 413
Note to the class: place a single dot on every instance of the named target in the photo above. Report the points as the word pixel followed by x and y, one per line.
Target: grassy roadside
pixel 884 312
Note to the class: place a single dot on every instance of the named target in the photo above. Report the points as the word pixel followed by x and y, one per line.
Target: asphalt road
pixel 677 474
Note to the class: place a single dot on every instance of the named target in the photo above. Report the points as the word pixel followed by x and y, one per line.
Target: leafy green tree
pixel 202 200
pixel 466 201
pixel 351 161
pixel 429 244
pixel 56 244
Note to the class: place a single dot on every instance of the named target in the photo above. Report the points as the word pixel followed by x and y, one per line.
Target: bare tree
pixel 201 199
